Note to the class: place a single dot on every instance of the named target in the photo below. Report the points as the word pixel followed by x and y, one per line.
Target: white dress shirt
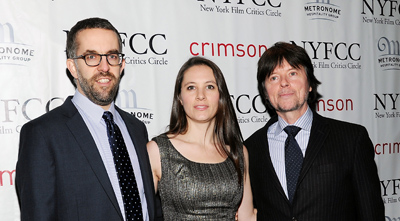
pixel 276 142
pixel 92 116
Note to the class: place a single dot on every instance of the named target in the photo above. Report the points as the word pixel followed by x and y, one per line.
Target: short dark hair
pixel 88 23
pixel 297 57
pixel 226 129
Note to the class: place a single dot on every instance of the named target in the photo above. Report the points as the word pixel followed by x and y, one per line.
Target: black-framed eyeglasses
pixel 94 59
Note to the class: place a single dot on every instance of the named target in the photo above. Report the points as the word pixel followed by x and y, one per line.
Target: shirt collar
pixel 304 122
pixel 90 109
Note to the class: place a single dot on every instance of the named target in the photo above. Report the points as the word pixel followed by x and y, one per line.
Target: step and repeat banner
pixel 354 46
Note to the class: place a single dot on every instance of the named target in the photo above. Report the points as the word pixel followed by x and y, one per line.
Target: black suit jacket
pixel 338 180
pixel 60 174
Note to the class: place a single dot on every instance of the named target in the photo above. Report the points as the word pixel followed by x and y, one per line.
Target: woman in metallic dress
pixel 200 166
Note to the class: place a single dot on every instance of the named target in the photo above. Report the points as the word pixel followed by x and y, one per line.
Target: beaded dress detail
pixel 197 191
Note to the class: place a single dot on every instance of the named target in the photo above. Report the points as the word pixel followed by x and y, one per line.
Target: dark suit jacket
pixel 338 180
pixel 60 174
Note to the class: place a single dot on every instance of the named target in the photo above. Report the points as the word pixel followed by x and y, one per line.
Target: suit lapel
pixel 268 162
pixel 138 142
pixel 139 139
pixel 86 143
pixel 318 135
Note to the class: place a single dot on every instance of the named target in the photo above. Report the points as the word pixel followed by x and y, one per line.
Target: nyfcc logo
pixel 382 12
pixel 12 52
pixel 249 109
pixel 145 49
pixel 386 105
pixel 322 10
pixel 389 58
pixel 14 111
pixel 387 218
pixel 333 55
pixel 390 190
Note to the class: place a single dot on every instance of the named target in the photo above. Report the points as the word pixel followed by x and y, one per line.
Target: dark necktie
pixel 123 166
pixel 293 160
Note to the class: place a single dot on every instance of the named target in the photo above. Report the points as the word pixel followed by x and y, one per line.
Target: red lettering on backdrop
pixel 10 175
pixel 226 49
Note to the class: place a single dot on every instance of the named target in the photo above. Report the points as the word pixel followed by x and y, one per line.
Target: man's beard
pixel 297 106
pixel 99 96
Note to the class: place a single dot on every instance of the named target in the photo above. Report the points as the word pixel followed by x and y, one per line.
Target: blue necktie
pixel 293 160
pixel 123 166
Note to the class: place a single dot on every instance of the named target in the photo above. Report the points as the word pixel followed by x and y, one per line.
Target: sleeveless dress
pixel 197 191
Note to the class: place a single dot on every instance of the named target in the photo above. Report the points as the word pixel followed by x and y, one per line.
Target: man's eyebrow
pixel 113 51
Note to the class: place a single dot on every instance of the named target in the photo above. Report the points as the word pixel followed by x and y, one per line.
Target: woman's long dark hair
pixel 226 129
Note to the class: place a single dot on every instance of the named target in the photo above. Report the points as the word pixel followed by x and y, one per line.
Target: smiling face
pixel 199 94
pixel 287 90
pixel 99 83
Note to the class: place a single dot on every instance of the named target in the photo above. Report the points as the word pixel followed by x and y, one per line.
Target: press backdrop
pixel 354 46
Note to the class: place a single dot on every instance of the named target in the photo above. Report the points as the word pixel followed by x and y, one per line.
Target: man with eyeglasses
pixel 87 159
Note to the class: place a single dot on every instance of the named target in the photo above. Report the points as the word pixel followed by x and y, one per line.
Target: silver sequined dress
pixel 196 191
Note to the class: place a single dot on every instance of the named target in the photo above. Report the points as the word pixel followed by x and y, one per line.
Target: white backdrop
pixel 354 46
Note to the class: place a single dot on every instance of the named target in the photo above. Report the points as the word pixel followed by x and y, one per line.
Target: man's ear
pixel 122 66
pixel 72 68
